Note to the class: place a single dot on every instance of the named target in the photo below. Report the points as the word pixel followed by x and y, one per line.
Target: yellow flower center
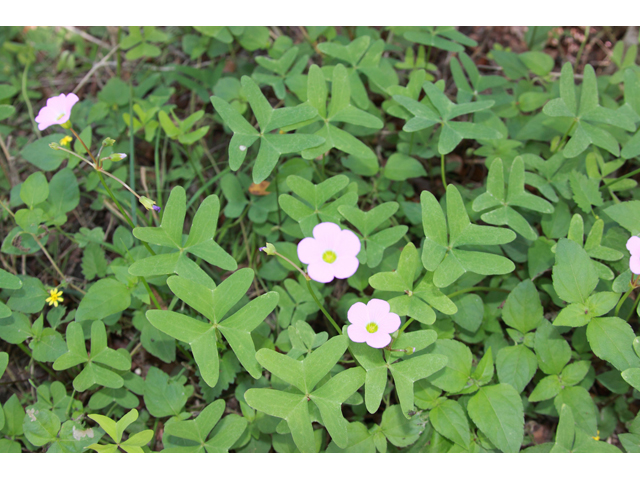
pixel 372 327
pixel 54 297
pixel 60 116
pixel 329 256
pixel 66 141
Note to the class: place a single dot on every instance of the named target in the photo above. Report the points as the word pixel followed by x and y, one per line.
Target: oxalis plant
pixel 318 239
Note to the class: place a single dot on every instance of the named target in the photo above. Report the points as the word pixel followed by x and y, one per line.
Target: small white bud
pixel 242 148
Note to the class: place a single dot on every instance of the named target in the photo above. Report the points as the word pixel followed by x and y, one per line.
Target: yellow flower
pixel 66 141
pixel 55 296
pixel 597 437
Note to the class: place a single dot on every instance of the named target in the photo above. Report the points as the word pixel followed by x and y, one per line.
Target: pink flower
pixel 372 323
pixel 57 111
pixel 330 253
pixel 633 245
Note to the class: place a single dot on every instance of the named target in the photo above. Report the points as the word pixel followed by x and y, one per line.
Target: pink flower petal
pixel 358 314
pixel 378 308
pixel 321 272
pixel 358 333
pixel 634 264
pixel 389 323
pixel 347 244
pixel 344 267
pixel 309 251
pixel 633 245
pixel 378 339
pixel 326 233
pixel 57 111
pixel 71 100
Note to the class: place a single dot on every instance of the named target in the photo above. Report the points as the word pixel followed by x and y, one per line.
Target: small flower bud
pixel 270 249
pixel 54 146
pixel 149 204
pixel 116 157
pixel 108 142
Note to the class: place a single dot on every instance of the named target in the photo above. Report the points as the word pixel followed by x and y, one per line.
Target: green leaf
pixel 450 420
pixel 611 339
pixel 582 406
pixel 552 351
pixel 574 277
pixel 104 298
pixel 164 396
pixel 40 426
pixel 401 167
pixel 523 309
pixel 498 412
pixel 407 372
pixel 457 372
pixel 399 430
pixel 516 366
pixel 35 189
pixel 626 214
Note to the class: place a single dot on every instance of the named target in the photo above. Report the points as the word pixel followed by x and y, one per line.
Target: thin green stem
pixel 156 167
pixel 278 203
pixel 406 324
pixel 28 102
pixel 626 175
pixel 313 295
pixel 151 295
pixel 44 367
pixel 624 297
pixel 84 145
pixel 633 309
pixel 561 143
pixel 581 49
pixel 70 402
pixel 124 214
pixel 132 174
pixel 442 172
pixel 326 314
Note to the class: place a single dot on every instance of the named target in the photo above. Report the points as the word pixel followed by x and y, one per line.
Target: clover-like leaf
pixel 94 372
pixel 206 433
pixel 304 376
pixel 272 145
pixel 199 242
pixel 586 114
pixel 214 303
pixel 417 302
pixel 516 196
pixel 441 111
pixel 441 252
pixel 338 111
pixel 374 244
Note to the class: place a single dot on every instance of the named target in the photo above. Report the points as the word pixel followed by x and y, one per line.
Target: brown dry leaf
pixel 259 189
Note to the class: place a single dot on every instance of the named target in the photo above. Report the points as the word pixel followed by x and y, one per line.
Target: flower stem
pixel 406 324
pixel 624 297
pixel 84 145
pixel 627 175
pixel 633 309
pixel 442 172
pixel 43 366
pixel 313 295
pixel 326 314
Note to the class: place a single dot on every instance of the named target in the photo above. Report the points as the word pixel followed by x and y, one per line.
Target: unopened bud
pixel 270 249
pixel 149 204
pixel 54 146
pixel 116 157
pixel 108 142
